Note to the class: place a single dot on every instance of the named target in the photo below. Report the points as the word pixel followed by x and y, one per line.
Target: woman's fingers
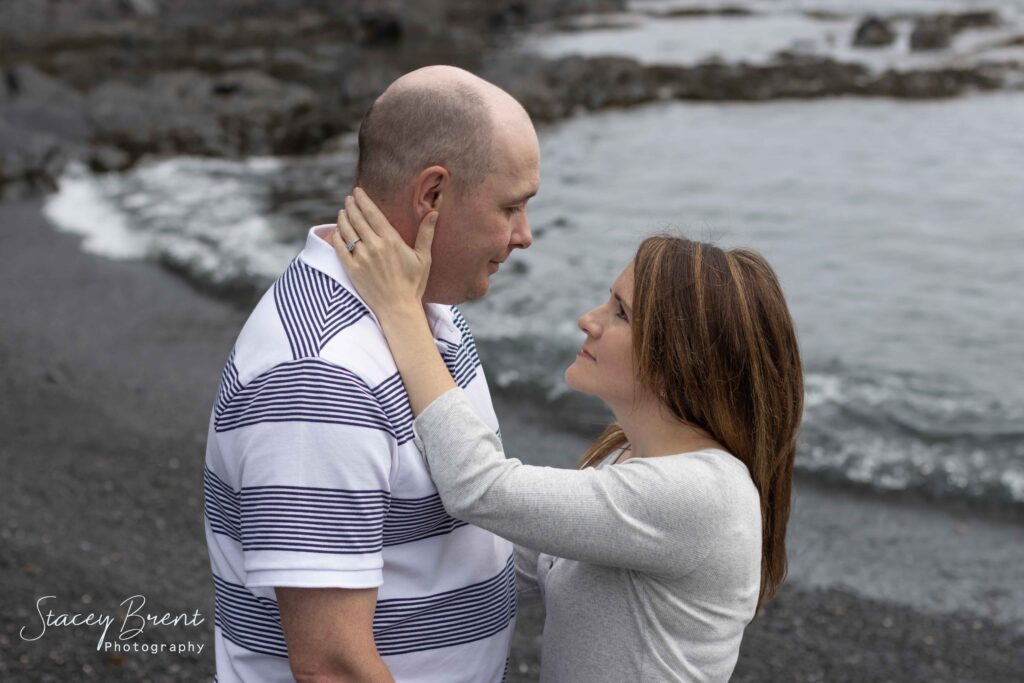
pixel 358 221
pixel 345 235
pixel 425 236
pixel 377 221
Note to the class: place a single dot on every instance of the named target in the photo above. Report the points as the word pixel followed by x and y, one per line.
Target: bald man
pixel 333 557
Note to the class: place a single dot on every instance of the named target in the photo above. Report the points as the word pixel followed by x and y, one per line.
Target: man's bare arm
pixel 329 632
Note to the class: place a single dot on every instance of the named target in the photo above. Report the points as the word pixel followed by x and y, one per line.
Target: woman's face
pixel 604 365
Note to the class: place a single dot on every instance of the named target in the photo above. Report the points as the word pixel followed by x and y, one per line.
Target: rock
pixel 41 125
pixel 931 34
pixel 1016 41
pixel 555 88
pixel 30 160
pixel 244 112
pixel 874 32
pixel 103 158
pixel 257 114
pixel 931 84
pixel 32 99
pixel 380 26
pixel 145 120
pixel 825 15
pixel 552 89
pixel 700 12
pixel 974 19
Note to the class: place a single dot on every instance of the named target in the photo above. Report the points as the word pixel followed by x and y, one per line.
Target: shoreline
pixel 111 367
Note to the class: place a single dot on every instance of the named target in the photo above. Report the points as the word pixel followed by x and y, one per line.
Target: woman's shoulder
pixel 707 460
pixel 711 472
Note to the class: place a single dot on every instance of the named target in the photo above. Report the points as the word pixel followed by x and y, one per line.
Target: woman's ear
pixel 431 185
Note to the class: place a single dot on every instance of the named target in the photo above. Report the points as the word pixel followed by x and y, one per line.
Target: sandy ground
pixel 108 375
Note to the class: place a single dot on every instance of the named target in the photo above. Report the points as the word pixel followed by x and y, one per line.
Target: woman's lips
pixel 583 353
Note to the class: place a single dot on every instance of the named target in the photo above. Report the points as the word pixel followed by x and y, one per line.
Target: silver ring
pixel 351 245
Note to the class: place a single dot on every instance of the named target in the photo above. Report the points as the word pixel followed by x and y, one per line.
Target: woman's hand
pixel 389 276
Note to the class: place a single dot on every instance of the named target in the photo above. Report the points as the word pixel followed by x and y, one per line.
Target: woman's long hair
pixel 713 336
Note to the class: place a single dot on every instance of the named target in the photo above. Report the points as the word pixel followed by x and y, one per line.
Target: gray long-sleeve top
pixel 649 569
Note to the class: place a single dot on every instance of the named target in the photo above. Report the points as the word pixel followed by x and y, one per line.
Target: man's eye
pixel 512 210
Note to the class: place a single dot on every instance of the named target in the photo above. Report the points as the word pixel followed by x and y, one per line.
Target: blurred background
pixel 161 163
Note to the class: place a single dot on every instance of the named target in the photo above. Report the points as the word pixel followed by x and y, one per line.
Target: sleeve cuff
pixel 436 416
pixel 315 578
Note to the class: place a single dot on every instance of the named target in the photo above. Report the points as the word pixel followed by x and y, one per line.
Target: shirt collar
pixel 320 254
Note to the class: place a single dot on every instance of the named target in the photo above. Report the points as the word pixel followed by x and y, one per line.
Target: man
pixel 333 557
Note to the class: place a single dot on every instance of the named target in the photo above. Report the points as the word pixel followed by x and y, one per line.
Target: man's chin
pixel 479 290
pixel 454 297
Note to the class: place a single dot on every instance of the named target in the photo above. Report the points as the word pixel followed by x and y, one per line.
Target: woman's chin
pixel 567 376
pixel 571 379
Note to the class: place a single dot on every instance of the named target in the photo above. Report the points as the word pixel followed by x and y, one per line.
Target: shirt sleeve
pixel 312 502
pixel 641 515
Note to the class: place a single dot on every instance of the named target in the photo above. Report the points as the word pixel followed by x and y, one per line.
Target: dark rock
pixel 874 32
pixel 500 15
pixel 380 26
pixel 1016 41
pixel 574 25
pixel 930 84
pixel 552 89
pixel 222 78
pixel 34 100
pixel 699 12
pixel 149 120
pixel 825 15
pixel 974 19
pixel 41 124
pixel 30 160
pixel 103 158
pixel 931 34
pixel 244 112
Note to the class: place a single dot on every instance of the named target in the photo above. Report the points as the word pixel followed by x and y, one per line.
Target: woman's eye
pixel 622 314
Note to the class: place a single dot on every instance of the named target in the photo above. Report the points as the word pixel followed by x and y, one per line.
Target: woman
pixel 654 556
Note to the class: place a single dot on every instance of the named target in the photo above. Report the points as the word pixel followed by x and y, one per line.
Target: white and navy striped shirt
pixel 313 480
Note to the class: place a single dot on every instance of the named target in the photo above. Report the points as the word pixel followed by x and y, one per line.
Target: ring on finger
pixel 351 244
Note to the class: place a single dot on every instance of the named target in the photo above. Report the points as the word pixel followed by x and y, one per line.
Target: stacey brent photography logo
pixel 129 622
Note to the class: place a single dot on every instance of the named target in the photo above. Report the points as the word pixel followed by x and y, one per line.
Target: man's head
pixel 440 138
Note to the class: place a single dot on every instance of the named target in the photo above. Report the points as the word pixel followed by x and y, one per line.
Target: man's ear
pixel 428 193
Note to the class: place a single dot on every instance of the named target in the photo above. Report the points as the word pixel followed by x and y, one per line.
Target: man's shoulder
pixel 308 319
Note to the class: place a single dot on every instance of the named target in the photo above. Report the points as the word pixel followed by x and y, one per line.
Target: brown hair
pixel 410 128
pixel 713 336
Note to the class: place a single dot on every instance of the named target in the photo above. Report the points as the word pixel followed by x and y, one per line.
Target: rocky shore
pixel 110 81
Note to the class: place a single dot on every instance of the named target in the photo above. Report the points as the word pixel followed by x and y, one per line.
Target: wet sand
pixel 109 371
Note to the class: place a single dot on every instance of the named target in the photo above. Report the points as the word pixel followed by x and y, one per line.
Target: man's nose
pixel 522 236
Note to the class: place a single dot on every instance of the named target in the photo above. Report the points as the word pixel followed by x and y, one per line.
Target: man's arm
pixel 329 632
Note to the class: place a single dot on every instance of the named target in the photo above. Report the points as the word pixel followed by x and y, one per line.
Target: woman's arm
pixel 660 515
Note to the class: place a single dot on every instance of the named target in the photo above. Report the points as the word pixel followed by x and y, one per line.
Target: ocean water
pixel 817 27
pixel 896 228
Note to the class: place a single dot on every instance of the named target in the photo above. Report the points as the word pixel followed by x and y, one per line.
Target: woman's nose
pixel 589 325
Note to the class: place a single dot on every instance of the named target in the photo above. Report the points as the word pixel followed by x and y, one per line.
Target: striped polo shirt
pixel 312 480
